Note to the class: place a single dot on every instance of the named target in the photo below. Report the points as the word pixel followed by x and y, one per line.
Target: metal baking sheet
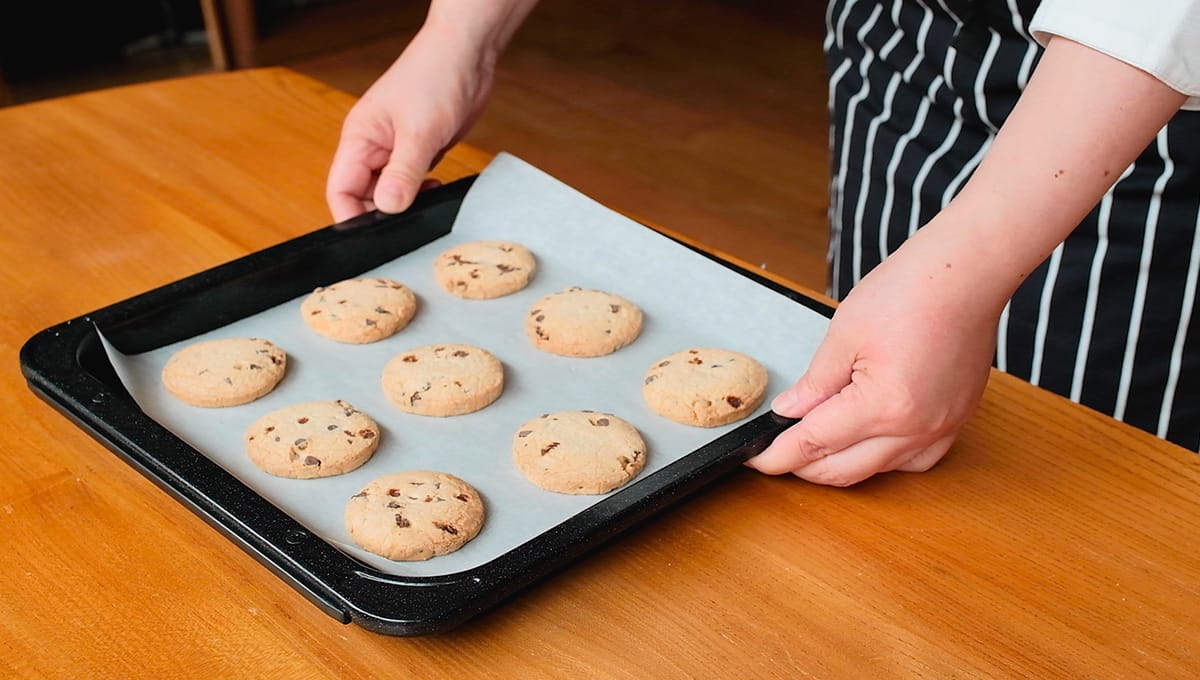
pixel 689 300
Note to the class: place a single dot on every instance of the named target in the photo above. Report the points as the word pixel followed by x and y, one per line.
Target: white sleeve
pixel 1161 37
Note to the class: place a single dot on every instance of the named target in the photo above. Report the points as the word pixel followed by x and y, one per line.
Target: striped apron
pixel 917 92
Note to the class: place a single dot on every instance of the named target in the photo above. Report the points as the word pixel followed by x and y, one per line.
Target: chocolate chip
pixel 524 433
pixel 402 522
pixel 548 447
pixel 733 401
pixel 446 528
pixel 302 420
pixel 312 460
pixel 301 443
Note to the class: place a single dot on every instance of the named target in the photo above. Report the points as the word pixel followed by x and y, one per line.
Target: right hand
pixel 420 107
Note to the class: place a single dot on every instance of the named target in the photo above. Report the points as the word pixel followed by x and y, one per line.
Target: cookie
pixel 414 515
pixel 482 270
pixel 579 452
pixel 443 380
pixel 583 323
pixel 705 387
pixel 313 439
pixel 359 311
pixel 228 372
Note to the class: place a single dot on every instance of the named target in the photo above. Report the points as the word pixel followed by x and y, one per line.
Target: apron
pixel 917 92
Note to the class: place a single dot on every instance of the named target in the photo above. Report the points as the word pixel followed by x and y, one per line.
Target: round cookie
pixel 313 439
pixel 414 515
pixel 226 372
pixel 481 270
pixel 577 322
pixel 359 311
pixel 443 380
pixel 579 452
pixel 705 387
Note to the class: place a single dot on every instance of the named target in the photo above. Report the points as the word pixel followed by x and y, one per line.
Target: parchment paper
pixel 688 301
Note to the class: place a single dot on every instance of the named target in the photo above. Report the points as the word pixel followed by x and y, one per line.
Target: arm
pixel 907 355
pixel 423 104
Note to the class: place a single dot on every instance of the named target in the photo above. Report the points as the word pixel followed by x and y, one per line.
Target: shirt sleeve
pixel 1161 37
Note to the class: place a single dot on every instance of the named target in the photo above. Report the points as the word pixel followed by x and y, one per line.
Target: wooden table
pixel 1052 541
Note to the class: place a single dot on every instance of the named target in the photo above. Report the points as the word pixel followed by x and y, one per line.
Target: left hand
pixel 902 367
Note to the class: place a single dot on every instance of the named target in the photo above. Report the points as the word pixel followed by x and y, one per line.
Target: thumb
pixel 401 178
pixel 827 374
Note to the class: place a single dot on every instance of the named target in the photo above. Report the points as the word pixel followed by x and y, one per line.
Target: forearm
pixel 1083 118
pixel 486 24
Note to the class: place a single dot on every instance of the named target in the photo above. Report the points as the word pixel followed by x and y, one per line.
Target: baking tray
pixel 67 366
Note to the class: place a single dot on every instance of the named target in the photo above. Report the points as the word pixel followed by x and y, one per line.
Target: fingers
pixel 843 440
pixel 833 425
pixel 865 459
pixel 351 178
pixel 827 374
pixel 346 189
pixel 365 176
pixel 402 177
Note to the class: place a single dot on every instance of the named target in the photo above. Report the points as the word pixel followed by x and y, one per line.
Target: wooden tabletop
pixel 1051 542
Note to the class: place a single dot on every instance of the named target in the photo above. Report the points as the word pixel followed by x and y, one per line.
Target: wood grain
pixel 1052 541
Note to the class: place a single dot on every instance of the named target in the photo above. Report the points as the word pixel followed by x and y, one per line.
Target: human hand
pixel 902 367
pixel 420 107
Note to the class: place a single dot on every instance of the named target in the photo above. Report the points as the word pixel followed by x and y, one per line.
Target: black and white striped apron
pixel 917 91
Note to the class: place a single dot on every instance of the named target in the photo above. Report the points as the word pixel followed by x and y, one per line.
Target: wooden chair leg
pixel 232 30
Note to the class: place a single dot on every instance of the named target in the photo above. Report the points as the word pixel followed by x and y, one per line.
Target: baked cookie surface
pixel 481 270
pixel 579 452
pixel 312 439
pixel 443 380
pixel 705 387
pixel 578 322
pixel 359 311
pixel 227 372
pixel 414 515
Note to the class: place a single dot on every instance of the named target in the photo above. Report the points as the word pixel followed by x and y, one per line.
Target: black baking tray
pixel 67 366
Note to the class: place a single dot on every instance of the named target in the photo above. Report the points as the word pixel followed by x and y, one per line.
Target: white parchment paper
pixel 688 301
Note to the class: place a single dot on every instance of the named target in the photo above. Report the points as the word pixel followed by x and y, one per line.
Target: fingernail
pixel 391 197
pixel 784 401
